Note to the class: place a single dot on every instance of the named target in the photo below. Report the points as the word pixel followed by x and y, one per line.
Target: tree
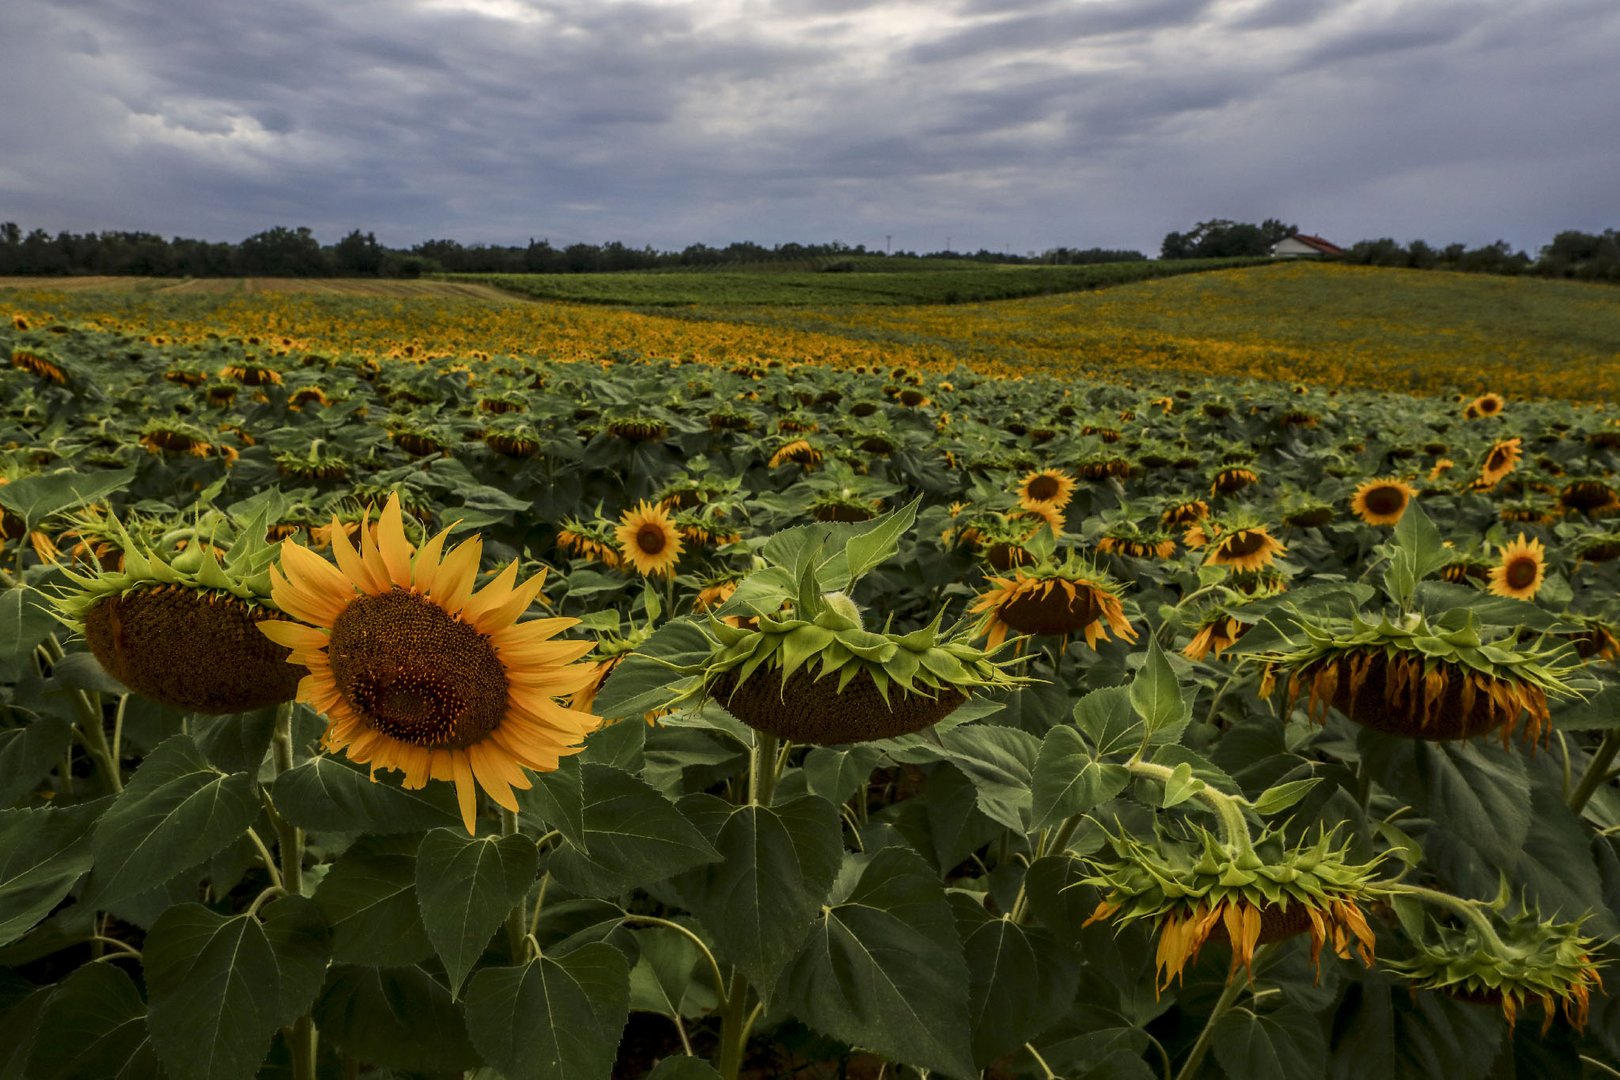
pixel 357 255
pixel 281 252
pixel 1220 238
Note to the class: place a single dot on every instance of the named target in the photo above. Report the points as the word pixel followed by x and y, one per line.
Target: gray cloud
pixel 1004 125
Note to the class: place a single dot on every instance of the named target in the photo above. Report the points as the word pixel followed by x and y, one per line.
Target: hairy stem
pixel 302 1038
pixel 1228 808
pixel 1468 909
pixel 1223 1005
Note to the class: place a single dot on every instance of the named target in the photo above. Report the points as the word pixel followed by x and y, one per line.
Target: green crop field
pixel 865 283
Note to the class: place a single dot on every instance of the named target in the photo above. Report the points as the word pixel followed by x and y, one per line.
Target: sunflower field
pixel 506 708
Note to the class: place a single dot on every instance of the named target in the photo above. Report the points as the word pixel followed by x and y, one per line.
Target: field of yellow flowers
pixel 1422 332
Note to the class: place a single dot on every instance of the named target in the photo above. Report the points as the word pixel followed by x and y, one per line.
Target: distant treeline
pixel 295 252
pixel 1572 254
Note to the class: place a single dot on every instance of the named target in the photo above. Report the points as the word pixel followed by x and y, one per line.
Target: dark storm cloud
pixel 1010 125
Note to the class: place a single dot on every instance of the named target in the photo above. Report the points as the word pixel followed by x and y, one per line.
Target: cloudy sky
pixel 1012 125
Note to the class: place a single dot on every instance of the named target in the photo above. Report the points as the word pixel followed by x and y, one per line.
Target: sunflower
pixel 591 539
pixel 1074 597
pixel 1186 512
pixel 1382 501
pixel 1500 460
pixel 417 672
pixel 1048 487
pixel 1250 548
pixel 648 540
pixel 1218 632
pixel 1485 405
pixel 798 451
pixel 1521 570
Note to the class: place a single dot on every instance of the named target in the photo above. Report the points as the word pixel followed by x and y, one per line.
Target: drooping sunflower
pixel 1520 572
pixel 592 539
pixel 1047 487
pixel 415 671
pixel 1522 959
pixel 1500 460
pixel 1247 548
pixel 1067 598
pixel 798 451
pixel 649 542
pixel 1382 500
pixel 1201 889
pixel 1186 512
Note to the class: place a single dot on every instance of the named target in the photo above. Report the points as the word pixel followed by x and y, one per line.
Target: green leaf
pixel 94 1026
pixel 1021 983
pixel 883 968
pixel 299 937
pixel 38 497
pixel 215 991
pixel 369 900
pixel 552 1017
pixel 24 623
pixel 1555 868
pixel 649 677
pixel 776 866
pixel 465 886
pixel 1285 1044
pixel 43 853
pixel 176 811
pixel 27 753
pixel 1156 697
pixel 1281 796
pixel 236 742
pixel 1068 780
pixel 665 962
pixel 1108 720
pixel 878 540
pixel 683 1068
pixel 835 775
pixel 631 836
pixel 394 1016
pixel 333 794
pixel 1180 786
pixel 1474 793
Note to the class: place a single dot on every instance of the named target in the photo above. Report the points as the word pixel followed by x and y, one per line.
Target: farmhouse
pixel 1302 244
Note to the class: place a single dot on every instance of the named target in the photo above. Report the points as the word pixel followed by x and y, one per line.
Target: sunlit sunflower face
pixel 1382 501
pixel 1485 405
pixel 1500 460
pixel 1246 549
pixel 648 540
pixel 417 672
pixel 1521 570
pixel 1049 487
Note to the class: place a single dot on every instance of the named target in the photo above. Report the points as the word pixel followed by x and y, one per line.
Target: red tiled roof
pixel 1318 243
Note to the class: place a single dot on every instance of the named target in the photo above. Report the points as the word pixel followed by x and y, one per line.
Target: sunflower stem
pixel 1229 810
pixel 734 1024
pixel 1596 770
pixel 1223 1005
pixel 517 920
pixel 762 769
pixel 301 1037
pixel 1468 909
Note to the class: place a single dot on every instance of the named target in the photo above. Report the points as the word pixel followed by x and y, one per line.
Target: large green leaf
pixel 1069 780
pixel 394 1016
pixel 645 680
pixel 998 760
pixel 176 811
pixel 776 865
pixel 883 967
pixel 38 497
pixel 369 900
pixel 43 853
pixel 1284 1044
pixel 465 886
pixel 631 836
pixel 1108 721
pixel 1156 697
pixel 24 623
pixel 299 937
pixel 662 977
pixel 215 989
pixel 1021 982
pixel 27 753
pixel 333 794
pixel 94 1026
pixel 554 1017
pixel 1475 793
